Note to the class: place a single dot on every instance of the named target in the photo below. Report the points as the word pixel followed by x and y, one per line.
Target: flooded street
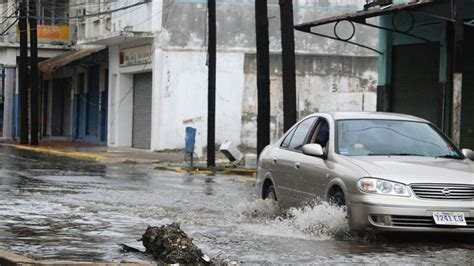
pixel 56 208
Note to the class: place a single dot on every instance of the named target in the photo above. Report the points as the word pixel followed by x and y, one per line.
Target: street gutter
pixel 11 259
pixel 70 154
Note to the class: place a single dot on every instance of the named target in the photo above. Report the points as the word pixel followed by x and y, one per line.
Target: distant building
pixel 54 37
pixel 153 81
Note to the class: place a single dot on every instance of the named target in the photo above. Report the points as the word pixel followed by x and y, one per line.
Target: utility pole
pixel 456 35
pixel 23 72
pixel 288 63
pixel 211 98
pixel 263 75
pixel 34 100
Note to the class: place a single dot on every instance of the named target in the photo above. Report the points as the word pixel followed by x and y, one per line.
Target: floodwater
pixel 56 208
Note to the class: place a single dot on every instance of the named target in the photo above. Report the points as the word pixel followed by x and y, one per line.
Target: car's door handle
pixel 297 165
pixel 274 160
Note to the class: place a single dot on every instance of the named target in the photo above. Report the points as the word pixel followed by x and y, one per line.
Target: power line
pixel 110 11
pixel 117 16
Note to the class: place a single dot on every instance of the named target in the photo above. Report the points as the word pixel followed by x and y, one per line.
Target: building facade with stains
pixel 158 73
pixel 152 83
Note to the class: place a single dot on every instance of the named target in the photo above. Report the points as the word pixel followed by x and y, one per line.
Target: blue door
pixel 92 105
pixel 104 96
pixel 80 107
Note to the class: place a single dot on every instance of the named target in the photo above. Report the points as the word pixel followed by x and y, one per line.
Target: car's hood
pixel 409 170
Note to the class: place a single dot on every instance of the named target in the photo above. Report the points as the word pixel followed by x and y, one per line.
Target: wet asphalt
pixel 54 208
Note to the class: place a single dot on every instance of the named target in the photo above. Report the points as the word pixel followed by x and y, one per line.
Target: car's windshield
pixel 390 137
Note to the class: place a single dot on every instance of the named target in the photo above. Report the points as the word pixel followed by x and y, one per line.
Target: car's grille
pixel 421 221
pixel 444 191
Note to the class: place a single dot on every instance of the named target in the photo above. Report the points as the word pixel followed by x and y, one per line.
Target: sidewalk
pixel 170 160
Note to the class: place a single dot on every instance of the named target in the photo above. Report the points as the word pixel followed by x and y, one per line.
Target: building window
pixel 54 12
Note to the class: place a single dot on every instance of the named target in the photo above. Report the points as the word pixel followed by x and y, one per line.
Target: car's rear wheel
pixel 269 193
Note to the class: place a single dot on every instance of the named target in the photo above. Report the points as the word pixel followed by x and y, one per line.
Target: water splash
pixel 320 219
pixel 259 210
pixel 317 220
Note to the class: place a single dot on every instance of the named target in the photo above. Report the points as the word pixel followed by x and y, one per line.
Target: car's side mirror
pixel 313 149
pixel 468 153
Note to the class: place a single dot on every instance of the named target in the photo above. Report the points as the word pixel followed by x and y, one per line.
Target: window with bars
pixel 54 12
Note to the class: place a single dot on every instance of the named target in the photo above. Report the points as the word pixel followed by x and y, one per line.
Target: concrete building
pixel 153 82
pixel 54 37
pixel 74 79
pixel 158 74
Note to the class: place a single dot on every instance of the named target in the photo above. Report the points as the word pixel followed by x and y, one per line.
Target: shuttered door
pixel 92 114
pixel 415 81
pixel 142 111
pixel 57 108
pixel 467 108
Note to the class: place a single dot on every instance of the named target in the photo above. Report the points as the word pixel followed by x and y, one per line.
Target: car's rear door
pixel 287 169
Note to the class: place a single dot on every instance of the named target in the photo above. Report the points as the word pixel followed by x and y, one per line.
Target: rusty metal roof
pixel 362 15
pixel 49 65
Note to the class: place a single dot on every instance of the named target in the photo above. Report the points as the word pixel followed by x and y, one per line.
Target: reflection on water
pixel 52 208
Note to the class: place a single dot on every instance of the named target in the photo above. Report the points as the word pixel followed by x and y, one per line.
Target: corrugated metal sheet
pixel 49 65
pixel 142 110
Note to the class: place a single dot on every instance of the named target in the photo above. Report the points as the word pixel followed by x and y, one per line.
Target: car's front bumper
pixel 384 213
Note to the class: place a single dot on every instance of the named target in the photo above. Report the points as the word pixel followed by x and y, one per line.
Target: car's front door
pixel 315 171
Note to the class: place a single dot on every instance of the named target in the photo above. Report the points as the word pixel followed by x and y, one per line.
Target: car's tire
pixel 270 193
pixel 336 198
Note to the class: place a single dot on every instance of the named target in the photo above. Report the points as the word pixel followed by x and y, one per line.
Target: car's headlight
pixel 385 187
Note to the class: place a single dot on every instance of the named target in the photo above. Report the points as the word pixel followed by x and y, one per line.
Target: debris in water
pixel 170 244
pixel 129 248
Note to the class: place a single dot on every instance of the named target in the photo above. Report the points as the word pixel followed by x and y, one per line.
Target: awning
pixel 50 65
pixel 361 16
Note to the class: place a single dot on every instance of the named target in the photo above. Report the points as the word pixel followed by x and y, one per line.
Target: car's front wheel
pixel 336 197
pixel 269 193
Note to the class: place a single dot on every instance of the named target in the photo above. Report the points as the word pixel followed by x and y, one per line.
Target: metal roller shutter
pixel 415 81
pixel 142 110
pixel 467 107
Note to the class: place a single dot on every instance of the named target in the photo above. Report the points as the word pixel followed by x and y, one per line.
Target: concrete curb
pixel 226 171
pixel 70 154
pixel 11 259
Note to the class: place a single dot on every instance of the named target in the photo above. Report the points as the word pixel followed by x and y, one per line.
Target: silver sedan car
pixel 392 172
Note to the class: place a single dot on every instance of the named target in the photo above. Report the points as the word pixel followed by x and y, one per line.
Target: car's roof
pixel 374 115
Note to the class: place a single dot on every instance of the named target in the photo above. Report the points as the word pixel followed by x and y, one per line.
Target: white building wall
pixel 8 107
pixel 120 113
pixel 145 17
pixel 8 56
pixel 183 98
pixel 179 96
pixel 323 84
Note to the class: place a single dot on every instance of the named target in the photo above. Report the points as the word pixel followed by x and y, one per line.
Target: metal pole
pixel 34 101
pixel 3 84
pixel 288 64
pixel 23 73
pixel 263 75
pixel 211 100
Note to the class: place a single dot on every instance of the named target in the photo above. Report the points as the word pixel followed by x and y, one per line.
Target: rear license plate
pixel 449 218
